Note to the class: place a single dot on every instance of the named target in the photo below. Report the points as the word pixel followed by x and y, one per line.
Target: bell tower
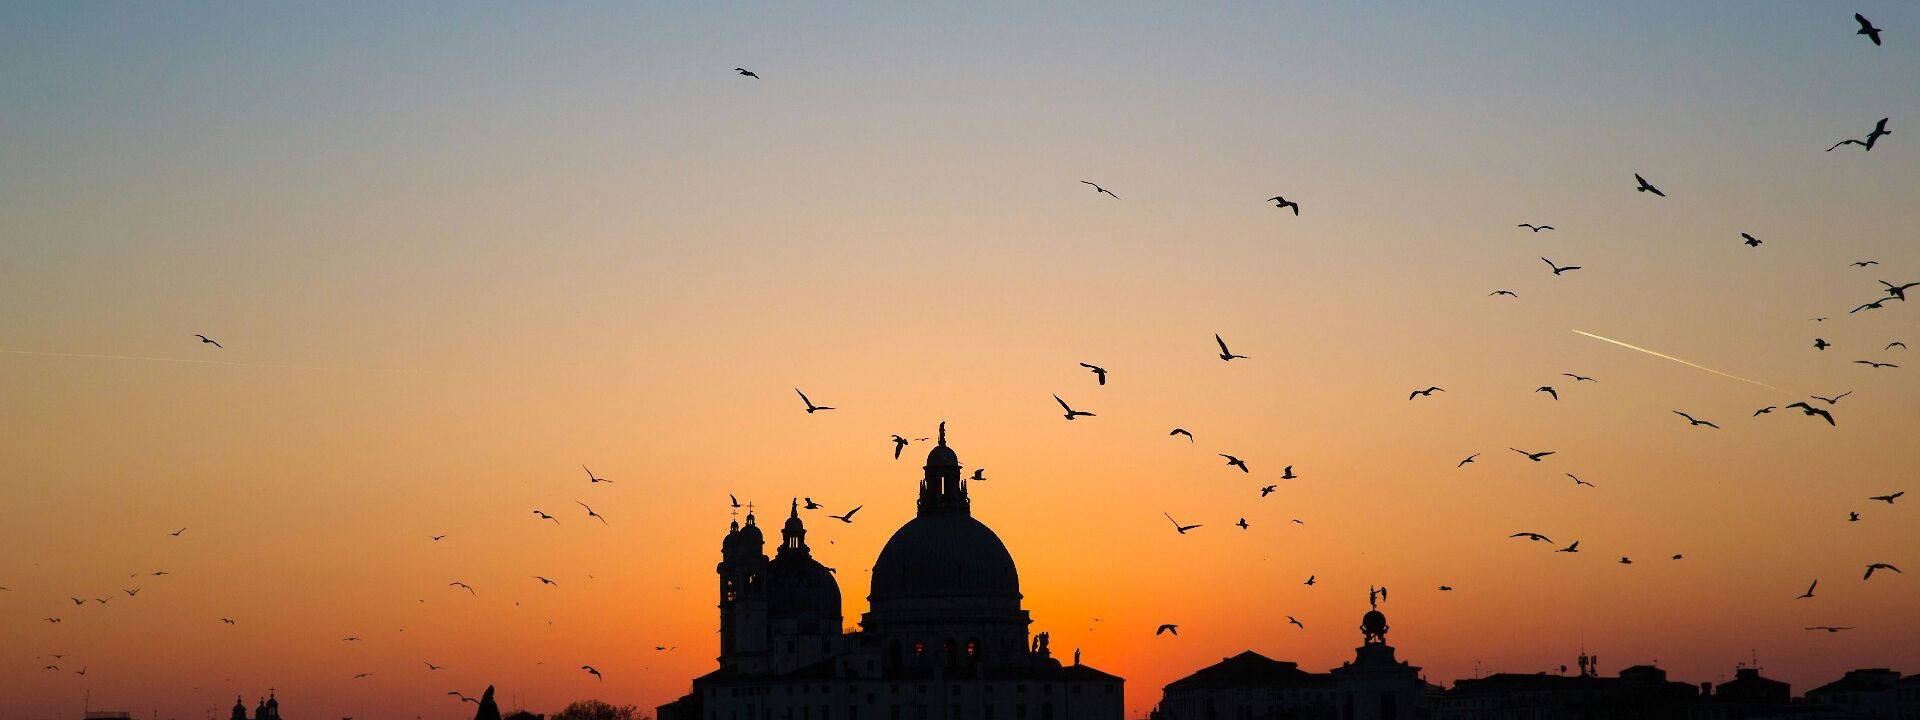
pixel 743 597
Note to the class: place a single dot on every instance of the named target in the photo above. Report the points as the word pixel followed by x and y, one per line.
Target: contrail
pixel 96 356
pixel 1683 362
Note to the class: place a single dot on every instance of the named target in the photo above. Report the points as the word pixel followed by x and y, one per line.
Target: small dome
pixel 944 555
pixel 271 702
pixel 799 587
pixel 942 456
pixel 1374 621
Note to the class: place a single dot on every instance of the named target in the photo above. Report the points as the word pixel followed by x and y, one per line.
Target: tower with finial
pixel 942 490
pixel 743 597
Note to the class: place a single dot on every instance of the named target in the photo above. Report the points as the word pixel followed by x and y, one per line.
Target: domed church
pixel 944 638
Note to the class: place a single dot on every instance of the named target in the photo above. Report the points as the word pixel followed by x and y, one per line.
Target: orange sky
pixel 454 254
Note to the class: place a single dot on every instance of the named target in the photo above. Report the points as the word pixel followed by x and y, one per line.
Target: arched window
pixel 973 648
pixel 919 648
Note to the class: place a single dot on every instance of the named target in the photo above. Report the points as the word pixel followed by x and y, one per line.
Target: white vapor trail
pixel 97 356
pixel 1682 362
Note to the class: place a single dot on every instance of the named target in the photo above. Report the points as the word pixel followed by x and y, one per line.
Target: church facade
pixel 945 636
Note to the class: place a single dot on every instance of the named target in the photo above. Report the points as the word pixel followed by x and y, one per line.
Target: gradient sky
pixel 456 251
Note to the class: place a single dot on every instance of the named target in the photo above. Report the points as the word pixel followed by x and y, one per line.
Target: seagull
pixel 1751 240
pixel 1309 582
pixel 1578 482
pixel 1097 190
pixel 544 581
pixel 1879 566
pixel 436 538
pixel 811 505
pixel 76 601
pixel 463 697
pixel 1181 431
pixel 1821 344
pixel 1559 269
pixel 431 666
pixel 1811 411
pixel 464 586
pixel 734 500
pixel 590 512
pixel 1177 526
pixel 1536 537
pixel 811 408
pixel 1695 422
pixel 1531 455
pixel 1281 202
pixel 1267 490
pixel 1853 517
pixel 1167 628
pixel 1446 588
pixel 1679 557
pixel 1895 344
pixel 899 443
pixel 1875 305
pixel 1463 463
pixel 1646 186
pixel 1833 399
pixel 176 533
pixel 847 518
pixel 1899 291
pixel 1871 363
pixel 747 73
pixel 1098 371
pixel 1287 474
pixel 1888 499
pixel 593 672
pixel 1579 378
pixel 1242 523
pixel 1829 628
pixel 228 621
pixel 1574 548
pixel 1296 623
pixel 1425 393
pixel 1765 410
pixel 1508 293
pixel 204 340
pixel 1237 462
pixel 1809 592
pixel 1071 413
pixel 136 591
pixel 544 516
pixel 1548 389
pixel 349 639
pixel 1535 228
pixel 1225 354
pixel 1624 560
pixel 979 475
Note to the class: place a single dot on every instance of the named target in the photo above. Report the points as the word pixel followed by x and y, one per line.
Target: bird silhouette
pixel 1446 588
pixel 1548 389
pixel 1678 556
pixel 747 73
pixel 1829 628
pixel 1864 263
pixel 204 340
pixel 1691 421
pixel 1821 344
pixel 1578 482
pixel 591 478
pixel 979 475
pixel 1811 411
pixel 810 504
pixel 544 581
pixel 593 672
pixel 1177 526
pixel 228 621
pixel 1534 456
pixel 463 586
pixel 436 538
pixel 1895 344
pixel 1870 363
pixel 1878 566
pixel 1557 269
pixel 848 518
pixel 1765 410
pixel 1281 202
pixel 1899 291
pixel 899 443
pixel 1508 293
pixel 1875 305
pixel 1167 628
pixel 1098 372
pixel 1309 582
pixel 176 533
pixel 1624 560
pixel 136 591
pixel 1809 592
pixel 1867 144
pixel 1833 399
pixel 1071 413
pixel 1181 431
pixel 1463 463
pixel 1236 462
pixel 1242 523
pixel 1888 499
pixel 1867 28
pixel 1579 378
pixel 1646 186
pixel 1225 354
pixel 592 514
pixel 1287 473
pixel 463 697
pixel 1573 548
pixel 1535 228
pixel 431 666
pixel 1751 240
pixel 1425 393
pixel 1295 623
pixel 1853 517
pixel 1267 490
pixel 811 408
pixel 544 516
pixel 734 500
pixel 1536 537
pixel 1097 190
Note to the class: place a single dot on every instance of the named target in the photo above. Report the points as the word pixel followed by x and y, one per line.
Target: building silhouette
pixel 945 636
pixel 267 709
pixel 1375 685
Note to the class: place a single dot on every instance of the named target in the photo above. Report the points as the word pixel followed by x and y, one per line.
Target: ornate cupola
pixel 941 489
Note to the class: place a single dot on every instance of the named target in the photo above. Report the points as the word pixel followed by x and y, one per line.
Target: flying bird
pixel 747 73
pixel 1097 190
pixel 1751 240
pixel 1579 378
pixel 1425 393
pixel 1267 490
pixel 1242 523
pixel 811 408
pixel 1557 269
pixel 1864 263
pixel 1895 344
pixel 1295 623
pixel 592 478
pixel 431 666
pixel 228 621
pixel 1167 628
pixel 592 514
pixel 1624 560
pixel 1888 499
pixel 1535 228
pixel 1646 186
pixel 1879 566
pixel 544 581
pixel 1765 410
pixel 1508 293
pixel 1536 537
pixel 1237 462
pixel 1446 588
pixel 1578 482
pixel 979 475
pixel 1809 592
pixel 1899 291
pixel 811 505
pixel 1309 582
pixel 463 586
pixel 1287 473
pixel 1691 421
pixel 544 516
pixel 1853 517
pixel 1871 363
pixel 436 538
pixel 1281 202
pixel 1071 413
pixel 1548 389
pixel 1875 305
pixel 1225 354
pixel 1534 456
pixel 899 443
pixel 734 500
pixel 1867 29
pixel 204 340
pixel 1463 463
pixel 1821 344
pixel 1829 628
pixel 1177 526
pixel 1574 548
pixel 593 672
pixel 1865 145
pixel 1833 399
pixel 1181 431
pixel 847 518
pixel 176 533
pixel 1098 372
pixel 136 591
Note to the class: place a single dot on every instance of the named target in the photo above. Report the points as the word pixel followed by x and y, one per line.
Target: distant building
pixel 1641 692
pixel 1251 686
pixel 945 636
pixel 268 709
pixel 1869 693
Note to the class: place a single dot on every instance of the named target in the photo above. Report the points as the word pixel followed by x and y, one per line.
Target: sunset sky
pixel 454 252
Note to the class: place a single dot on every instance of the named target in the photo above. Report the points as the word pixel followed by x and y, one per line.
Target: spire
pixel 793 537
pixel 943 433
pixel 941 489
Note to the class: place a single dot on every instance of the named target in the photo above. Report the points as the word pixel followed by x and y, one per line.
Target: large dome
pixel 944 555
